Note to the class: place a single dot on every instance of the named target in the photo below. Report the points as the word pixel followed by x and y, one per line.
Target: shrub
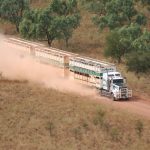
pixel 139 127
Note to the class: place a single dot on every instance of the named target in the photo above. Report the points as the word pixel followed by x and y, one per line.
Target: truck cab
pixel 114 85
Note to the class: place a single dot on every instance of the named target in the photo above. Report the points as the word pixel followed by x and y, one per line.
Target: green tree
pixel 145 2
pixel 115 13
pixel 142 43
pixel 57 21
pixel 68 25
pixel 69 14
pixel 41 24
pixel 12 10
pixel 114 47
pixel 120 41
pixel 138 62
pixel 0 7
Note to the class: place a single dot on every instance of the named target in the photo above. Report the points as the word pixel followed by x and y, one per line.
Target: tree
pixel 114 47
pixel 120 41
pixel 40 24
pixel 142 43
pixel 0 7
pixel 115 13
pixel 12 10
pixel 68 25
pixel 69 14
pixel 57 21
pixel 144 2
pixel 138 62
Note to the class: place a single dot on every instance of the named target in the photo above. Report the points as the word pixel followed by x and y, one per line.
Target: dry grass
pixel 39 3
pixel 35 118
pixel 7 28
pixel 32 117
pixel 88 41
pixel 139 84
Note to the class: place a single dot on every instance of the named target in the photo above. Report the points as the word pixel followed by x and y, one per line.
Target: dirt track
pixel 135 105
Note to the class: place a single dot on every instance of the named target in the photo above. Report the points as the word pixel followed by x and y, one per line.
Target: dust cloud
pixel 16 63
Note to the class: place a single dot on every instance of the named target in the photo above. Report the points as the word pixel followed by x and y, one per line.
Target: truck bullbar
pixel 124 93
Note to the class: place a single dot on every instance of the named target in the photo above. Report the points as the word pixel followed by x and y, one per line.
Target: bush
pixel 139 128
pixel 99 118
pixel 138 62
pixel 114 133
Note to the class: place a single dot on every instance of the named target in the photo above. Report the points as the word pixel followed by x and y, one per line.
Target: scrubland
pixel 34 117
pixel 89 41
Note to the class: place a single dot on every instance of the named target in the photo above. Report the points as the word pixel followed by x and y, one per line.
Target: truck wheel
pixel 101 92
pixel 112 97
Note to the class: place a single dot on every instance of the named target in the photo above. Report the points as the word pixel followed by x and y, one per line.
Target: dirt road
pixel 135 105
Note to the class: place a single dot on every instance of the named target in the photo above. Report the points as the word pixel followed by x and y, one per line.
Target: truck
pixel 102 75
pixel 114 85
pixel 99 74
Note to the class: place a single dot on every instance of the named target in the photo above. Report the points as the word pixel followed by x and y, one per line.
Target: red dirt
pixel 137 106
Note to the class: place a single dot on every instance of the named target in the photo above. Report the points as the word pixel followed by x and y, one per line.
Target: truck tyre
pixel 101 92
pixel 113 97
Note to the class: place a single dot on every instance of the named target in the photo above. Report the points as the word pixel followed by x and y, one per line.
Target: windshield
pixel 118 81
pixel 118 75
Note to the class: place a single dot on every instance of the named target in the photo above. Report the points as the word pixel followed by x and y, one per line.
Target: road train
pixel 100 74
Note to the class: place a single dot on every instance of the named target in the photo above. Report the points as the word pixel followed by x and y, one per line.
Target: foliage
pixel 139 127
pixel 138 62
pixel 12 10
pixel 40 24
pixel 69 14
pixel 134 44
pixel 99 118
pixel 145 2
pixel 143 42
pixel 119 41
pixel 50 119
pixel 1 1
pixel 126 37
pixel 56 21
pixel 114 133
pixel 114 47
pixel 115 13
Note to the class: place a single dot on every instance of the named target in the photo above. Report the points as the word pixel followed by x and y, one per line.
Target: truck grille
pixel 123 92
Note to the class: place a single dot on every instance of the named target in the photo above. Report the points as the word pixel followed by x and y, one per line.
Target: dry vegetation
pixel 32 118
pixel 87 40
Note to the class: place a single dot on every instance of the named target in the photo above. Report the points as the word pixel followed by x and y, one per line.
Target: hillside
pixel 33 117
pixel 87 40
pixel 41 110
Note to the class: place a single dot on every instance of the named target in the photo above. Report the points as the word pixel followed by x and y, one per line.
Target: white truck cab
pixel 114 85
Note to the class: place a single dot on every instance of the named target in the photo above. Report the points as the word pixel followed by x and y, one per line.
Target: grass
pixel 88 41
pixel 139 84
pixel 7 28
pixel 33 117
pixel 36 118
